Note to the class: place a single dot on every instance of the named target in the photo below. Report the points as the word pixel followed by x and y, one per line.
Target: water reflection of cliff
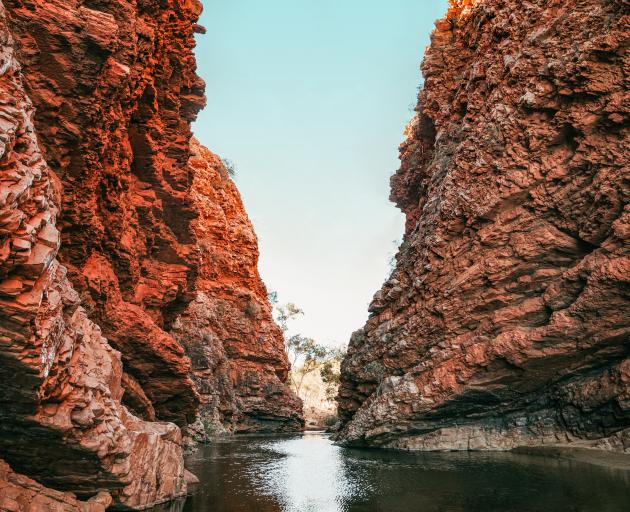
pixel 309 474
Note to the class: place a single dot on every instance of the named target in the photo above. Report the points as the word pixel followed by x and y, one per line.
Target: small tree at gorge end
pixel 313 356
pixel 330 372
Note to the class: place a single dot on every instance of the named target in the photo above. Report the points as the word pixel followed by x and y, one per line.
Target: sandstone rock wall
pixel 506 321
pixel 236 349
pixel 104 258
pixel 115 88
pixel 18 492
pixel 62 421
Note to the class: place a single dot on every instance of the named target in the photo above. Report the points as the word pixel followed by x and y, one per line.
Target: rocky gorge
pixel 505 322
pixel 134 323
pixel 133 320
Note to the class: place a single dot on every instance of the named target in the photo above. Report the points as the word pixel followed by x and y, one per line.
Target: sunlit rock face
pixel 115 89
pixel 62 421
pixel 102 256
pixel 236 349
pixel 18 492
pixel 506 321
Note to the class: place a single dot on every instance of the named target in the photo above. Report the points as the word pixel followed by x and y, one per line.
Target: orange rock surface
pixel 18 492
pixel 113 117
pixel 108 242
pixel 236 349
pixel 506 321
pixel 60 398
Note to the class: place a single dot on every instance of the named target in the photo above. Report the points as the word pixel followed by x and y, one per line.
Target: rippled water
pixel 307 473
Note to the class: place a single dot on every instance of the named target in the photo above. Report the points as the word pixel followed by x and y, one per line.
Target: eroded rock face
pixel 506 321
pixel 62 421
pixel 115 88
pixel 102 253
pixel 237 351
pixel 18 492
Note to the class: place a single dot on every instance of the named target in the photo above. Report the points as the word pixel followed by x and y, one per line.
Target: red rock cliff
pixel 60 399
pixel 106 237
pixel 115 88
pixel 506 321
pixel 237 351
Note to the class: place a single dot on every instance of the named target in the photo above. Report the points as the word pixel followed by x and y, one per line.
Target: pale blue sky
pixel 309 99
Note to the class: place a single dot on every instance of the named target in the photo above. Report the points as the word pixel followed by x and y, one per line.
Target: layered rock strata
pixel 20 493
pixel 506 320
pixel 103 259
pixel 60 399
pixel 115 88
pixel 237 351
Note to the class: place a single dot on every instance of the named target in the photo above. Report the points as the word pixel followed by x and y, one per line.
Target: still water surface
pixel 307 473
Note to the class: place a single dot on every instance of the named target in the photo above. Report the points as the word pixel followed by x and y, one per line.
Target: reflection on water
pixel 309 474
